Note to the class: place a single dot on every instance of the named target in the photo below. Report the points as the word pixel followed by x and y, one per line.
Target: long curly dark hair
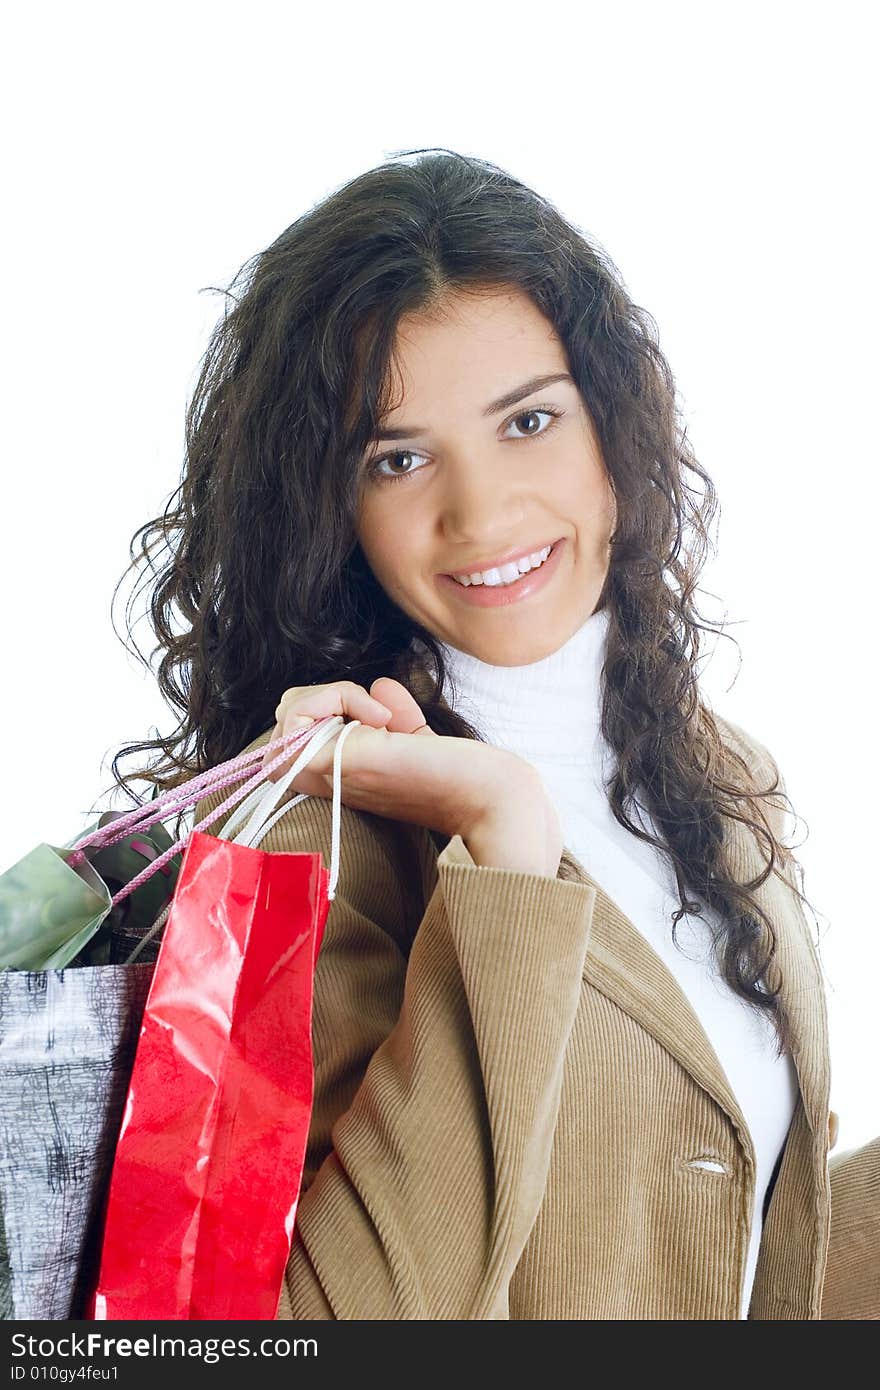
pixel 263 566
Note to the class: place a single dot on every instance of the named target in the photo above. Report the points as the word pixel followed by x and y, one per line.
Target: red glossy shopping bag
pixel 206 1177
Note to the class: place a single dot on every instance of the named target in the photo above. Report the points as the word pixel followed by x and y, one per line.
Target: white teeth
pixel 505 574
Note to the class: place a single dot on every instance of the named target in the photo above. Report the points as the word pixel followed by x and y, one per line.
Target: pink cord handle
pixel 187 794
pixel 184 795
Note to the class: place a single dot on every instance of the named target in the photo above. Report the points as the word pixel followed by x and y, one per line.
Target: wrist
pixel 518 828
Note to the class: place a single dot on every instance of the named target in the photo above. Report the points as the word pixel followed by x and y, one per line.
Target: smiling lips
pixel 507 573
pixel 513 557
pixel 500 587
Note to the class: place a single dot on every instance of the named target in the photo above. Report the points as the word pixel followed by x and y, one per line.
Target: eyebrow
pixel 519 393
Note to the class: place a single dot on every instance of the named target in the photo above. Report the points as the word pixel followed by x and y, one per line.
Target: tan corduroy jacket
pixel 512 1096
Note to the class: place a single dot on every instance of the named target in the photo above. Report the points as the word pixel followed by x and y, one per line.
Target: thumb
pixel 424 729
pixel 407 716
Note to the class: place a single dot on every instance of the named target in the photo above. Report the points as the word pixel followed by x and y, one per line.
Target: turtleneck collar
pixel 548 711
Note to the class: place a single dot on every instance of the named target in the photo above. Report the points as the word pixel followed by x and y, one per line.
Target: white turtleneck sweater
pixel 549 713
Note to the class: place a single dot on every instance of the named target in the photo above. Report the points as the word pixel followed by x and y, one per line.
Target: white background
pixel 722 155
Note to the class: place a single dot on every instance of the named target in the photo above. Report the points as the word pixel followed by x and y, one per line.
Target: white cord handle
pixel 261 801
pixel 264 799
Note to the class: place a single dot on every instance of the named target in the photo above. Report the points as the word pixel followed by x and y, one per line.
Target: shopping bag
pixel 53 914
pixel 62 905
pixel 206 1177
pixel 130 919
pixel 67 1042
pixel 68 1035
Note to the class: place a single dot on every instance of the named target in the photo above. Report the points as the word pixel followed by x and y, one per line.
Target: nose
pixel 482 507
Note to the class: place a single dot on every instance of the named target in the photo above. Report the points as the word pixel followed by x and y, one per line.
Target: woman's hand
pixel 395 765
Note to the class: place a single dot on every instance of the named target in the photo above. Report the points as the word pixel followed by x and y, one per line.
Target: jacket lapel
pixel 624 966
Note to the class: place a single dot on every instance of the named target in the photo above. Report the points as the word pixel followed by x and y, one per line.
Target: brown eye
pixel 535 432
pixel 530 415
pixel 376 469
pixel 389 458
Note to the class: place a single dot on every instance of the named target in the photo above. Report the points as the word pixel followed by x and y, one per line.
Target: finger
pixel 340 697
pixel 303 705
pixel 407 716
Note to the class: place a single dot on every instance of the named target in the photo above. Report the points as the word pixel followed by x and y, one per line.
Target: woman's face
pixel 477 463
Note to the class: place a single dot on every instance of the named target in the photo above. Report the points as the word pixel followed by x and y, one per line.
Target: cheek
pixel 612 512
pixel 586 495
pixel 600 499
pixel 592 496
pixel 387 546
pixel 373 533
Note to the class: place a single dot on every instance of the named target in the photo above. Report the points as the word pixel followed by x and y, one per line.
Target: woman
pixel 571 1050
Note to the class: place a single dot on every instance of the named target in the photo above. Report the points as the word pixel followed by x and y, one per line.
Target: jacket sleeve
pixel 439 1047
pixel 852 1274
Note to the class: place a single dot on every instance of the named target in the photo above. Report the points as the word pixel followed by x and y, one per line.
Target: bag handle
pixel 193 790
pixel 264 799
pixel 260 803
pixel 186 794
pixel 265 815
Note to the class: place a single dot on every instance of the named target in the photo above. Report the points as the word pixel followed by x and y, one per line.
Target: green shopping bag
pixel 53 915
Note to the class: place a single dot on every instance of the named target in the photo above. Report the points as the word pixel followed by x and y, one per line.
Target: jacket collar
pixel 622 964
